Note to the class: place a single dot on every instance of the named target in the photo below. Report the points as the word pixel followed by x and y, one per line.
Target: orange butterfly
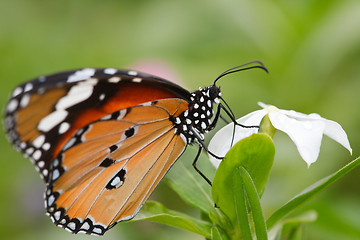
pixel 102 139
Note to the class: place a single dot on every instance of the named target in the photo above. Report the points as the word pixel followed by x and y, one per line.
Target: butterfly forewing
pixel 43 114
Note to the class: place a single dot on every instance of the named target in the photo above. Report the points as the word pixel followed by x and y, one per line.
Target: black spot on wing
pixel 130 132
pixel 107 162
pixel 113 148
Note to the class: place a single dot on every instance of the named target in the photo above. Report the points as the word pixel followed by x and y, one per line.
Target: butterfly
pixel 102 139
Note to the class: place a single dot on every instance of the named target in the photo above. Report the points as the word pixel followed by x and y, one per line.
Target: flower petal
pixel 301 116
pixel 332 129
pixel 220 144
pixel 305 133
pixel 336 132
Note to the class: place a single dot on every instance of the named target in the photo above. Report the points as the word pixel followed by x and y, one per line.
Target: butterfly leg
pixel 225 120
pixel 232 117
pixel 212 126
pixel 230 114
pixel 195 167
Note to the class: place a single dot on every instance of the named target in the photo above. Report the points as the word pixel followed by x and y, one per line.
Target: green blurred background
pixel 312 49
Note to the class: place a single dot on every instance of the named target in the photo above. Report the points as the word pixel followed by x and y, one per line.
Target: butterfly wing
pixel 109 168
pixel 43 114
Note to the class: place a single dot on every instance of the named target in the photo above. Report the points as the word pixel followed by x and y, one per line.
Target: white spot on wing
pixel 29 150
pixel 114 79
pixel 85 226
pixel 116 182
pixel 122 114
pixel 46 146
pixel 137 80
pixel 102 96
pixel 70 143
pixel 183 138
pixel 77 94
pixel 22 145
pixel 55 163
pixel 57 215
pixel 71 225
pixel 147 104
pixel 81 75
pixel 13 104
pixel 97 230
pixel 28 87
pixel 42 79
pixel 64 127
pixel 39 141
pixel 41 164
pixel 45 172
pixel 51 120
pixel 55 175
pixel 25 100
pixel 107 117
pixel 110 71
pixel 51 200
pixel 132 73
pixel 36 155
pixel 17 91
pixel 91 81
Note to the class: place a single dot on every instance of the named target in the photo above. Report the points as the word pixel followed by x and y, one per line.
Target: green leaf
pixel 293 231
pixel 256 155
pixel 291 228
pixel 310 192
pixel 217 217
pixel 255 207
pixel 156 212
pixel 188 184
pixel 218 234
pixel 242 223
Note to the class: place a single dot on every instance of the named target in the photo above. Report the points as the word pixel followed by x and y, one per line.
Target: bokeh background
pixel 311 48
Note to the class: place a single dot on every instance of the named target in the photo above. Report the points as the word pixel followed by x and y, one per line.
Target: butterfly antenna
pixel 243 67
pixel 239 68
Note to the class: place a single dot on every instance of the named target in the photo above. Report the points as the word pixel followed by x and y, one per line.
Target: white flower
pixel 305 131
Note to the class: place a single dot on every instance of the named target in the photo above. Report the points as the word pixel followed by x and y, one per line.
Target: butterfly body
pixel 102 139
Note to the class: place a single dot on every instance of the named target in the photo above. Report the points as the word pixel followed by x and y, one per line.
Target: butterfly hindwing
pixel 131 150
